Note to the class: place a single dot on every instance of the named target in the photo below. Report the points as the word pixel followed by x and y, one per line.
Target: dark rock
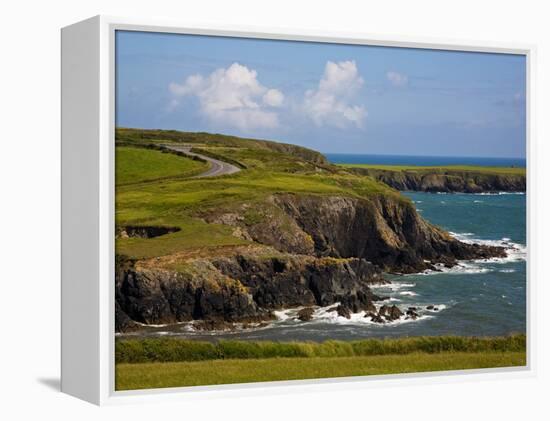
pixel 152 296
pixel 394 313
pixel 343 312
pixel 370 308
pixel 139 231
pixel 384 310
pixel 306 314
pixel 411 314
pixel 430 307
pixel 241 288
pixel 390 313
pixel 377 318
pixel 387 232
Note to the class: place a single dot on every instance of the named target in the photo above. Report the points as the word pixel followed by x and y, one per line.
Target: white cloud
pixel 273 98
pixel 232 96
pixel 397 79
pixel 330 103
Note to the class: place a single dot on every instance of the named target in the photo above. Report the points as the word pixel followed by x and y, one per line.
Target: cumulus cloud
pixel 397 79
pixel 232 96
pixel 331 103
pixel 273 98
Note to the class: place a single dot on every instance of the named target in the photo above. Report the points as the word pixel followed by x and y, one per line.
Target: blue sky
pixel 330 97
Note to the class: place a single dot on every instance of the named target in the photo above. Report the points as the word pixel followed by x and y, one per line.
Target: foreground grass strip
pixel 175 350
pixel 157 375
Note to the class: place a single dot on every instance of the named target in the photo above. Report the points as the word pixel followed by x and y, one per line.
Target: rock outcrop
pixel 239 288
pixel 385 230
pixel 447 181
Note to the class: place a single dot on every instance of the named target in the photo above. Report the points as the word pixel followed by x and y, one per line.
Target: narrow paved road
pixel 217 167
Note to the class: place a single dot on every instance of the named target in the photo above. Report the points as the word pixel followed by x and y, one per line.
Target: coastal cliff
pixel 240 288
pixel 446 180
pixel 311 251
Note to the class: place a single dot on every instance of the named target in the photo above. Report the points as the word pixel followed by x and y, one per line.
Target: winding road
pixel 217 167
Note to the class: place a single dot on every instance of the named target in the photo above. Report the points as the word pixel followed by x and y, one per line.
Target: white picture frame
pixel 88 122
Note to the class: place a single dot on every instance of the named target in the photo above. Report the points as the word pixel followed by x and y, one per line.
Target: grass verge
pixel 178 350
pixel 159 375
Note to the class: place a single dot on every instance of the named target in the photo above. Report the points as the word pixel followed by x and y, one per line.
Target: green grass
pixel 137 165
pixel 155 188
pixel 158 375
pixel 212 140
pixel 178 350
pixel 441 169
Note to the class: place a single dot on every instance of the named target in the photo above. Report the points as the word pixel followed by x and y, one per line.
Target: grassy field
pixel 172 362
pixel 138 165
pixel 441 169
pixel 155 188
pixel 157 375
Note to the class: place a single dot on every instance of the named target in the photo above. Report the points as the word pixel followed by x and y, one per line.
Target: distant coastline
pixel 346 158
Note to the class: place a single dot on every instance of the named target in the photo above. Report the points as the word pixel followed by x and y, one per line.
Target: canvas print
pixel 302 210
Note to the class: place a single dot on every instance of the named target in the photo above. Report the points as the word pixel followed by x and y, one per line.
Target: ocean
pixel 338 158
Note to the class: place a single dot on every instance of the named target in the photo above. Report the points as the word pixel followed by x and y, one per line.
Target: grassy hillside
pixel 138 165
pixel 213 141
pixel 157 189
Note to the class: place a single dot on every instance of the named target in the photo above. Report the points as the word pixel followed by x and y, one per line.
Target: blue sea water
pixel 337 158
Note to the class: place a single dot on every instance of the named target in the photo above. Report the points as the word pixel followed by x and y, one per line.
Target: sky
pixel 333 98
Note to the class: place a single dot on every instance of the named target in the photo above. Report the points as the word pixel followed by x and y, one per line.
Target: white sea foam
pixel 394 286
pixel 323 315
pixel 439 307
pixel 460 269
pixel 515 252
pixel 500 193
pixel 408 293
pixel 283 315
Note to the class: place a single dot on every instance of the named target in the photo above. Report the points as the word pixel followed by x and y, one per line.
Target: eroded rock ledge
pixel 239 288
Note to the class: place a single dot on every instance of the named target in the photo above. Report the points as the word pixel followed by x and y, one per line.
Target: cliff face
pixel 385 230
pixel 243 287
pixel 447 181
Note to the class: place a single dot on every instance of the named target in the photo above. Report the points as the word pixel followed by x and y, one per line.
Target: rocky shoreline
pixel 305 251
